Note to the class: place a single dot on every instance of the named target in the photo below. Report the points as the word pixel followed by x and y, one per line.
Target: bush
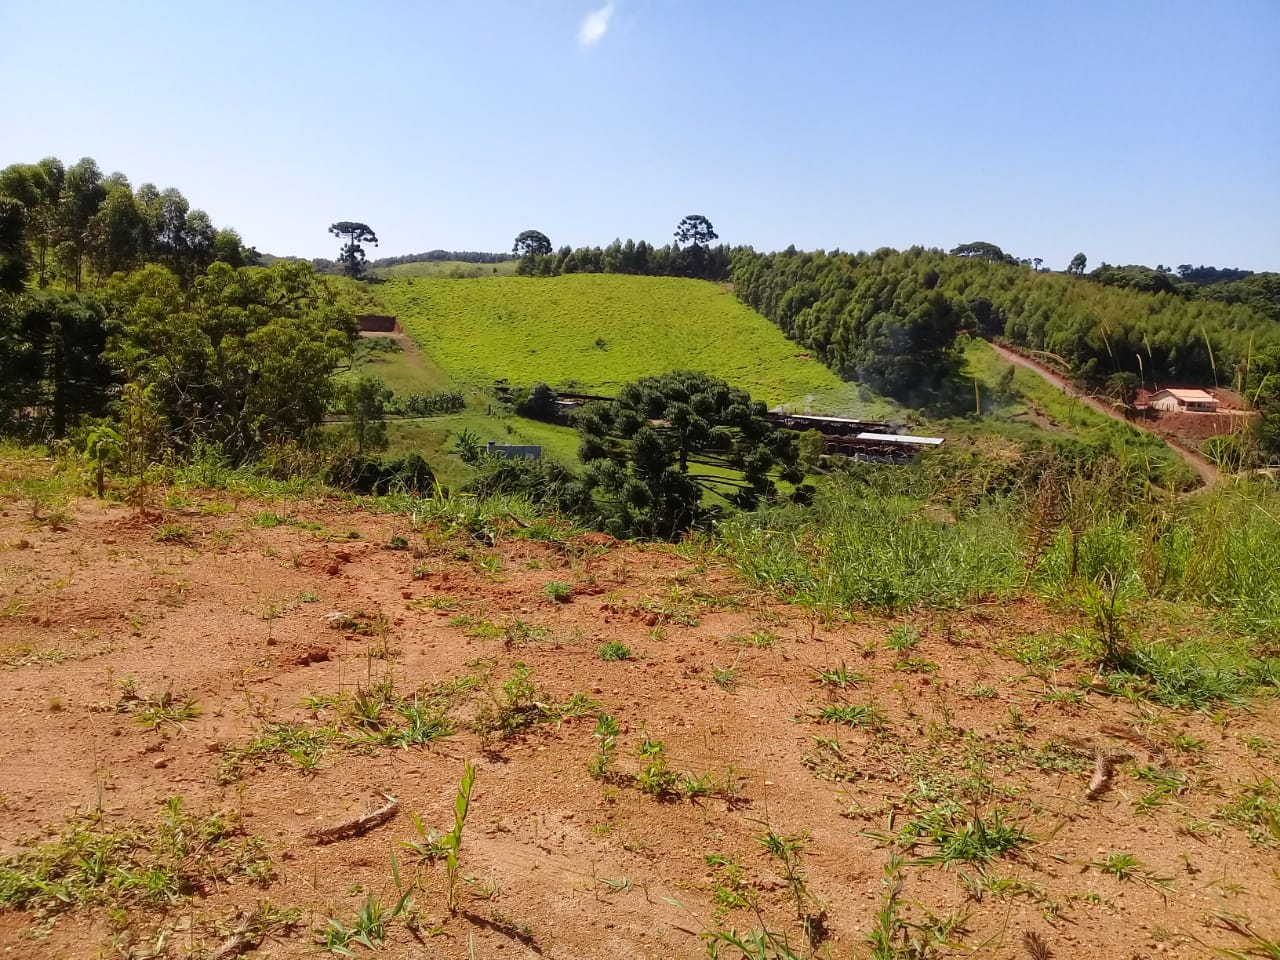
pixel 434 404
pixel 542 482
pixel 371 476
pixel 538 404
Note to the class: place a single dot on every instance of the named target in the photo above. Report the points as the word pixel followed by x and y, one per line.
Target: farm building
pixel 1185 401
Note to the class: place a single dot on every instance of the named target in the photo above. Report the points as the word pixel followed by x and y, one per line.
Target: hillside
pixel 446 268
pixel 598 332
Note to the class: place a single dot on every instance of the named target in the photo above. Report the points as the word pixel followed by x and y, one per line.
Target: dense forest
pixel 68 224
pixel 838 304
pixel 130 305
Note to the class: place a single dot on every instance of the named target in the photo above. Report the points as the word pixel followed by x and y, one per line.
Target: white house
pixel 1185 401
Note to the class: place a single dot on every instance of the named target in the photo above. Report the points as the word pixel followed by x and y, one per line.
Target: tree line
pixel 852 308
pixel 127 312
pixel 68 224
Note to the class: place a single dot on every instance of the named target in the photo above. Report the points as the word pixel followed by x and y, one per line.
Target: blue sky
pixel 1133 131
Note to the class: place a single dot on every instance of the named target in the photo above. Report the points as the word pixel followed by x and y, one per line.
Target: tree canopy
pixel 352 255
pixel 696 229
pixel 78 225
pixel 531 243
pixel 652 453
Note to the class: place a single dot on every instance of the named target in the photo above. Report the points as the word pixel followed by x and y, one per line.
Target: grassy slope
pixel 529 330
pixel 448 268
pixel 473 332
pixel 1034 407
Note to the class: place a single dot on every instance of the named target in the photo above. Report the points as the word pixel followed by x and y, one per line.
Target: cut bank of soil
pixel 564 865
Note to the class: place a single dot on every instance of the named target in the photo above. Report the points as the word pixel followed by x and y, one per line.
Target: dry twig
pixel 357 826
pixel 1103 768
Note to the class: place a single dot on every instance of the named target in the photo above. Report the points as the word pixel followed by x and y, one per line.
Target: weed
pixel 852 715
pixel 656 778
pixel 1166 784
pixel 915 665
pixel 760 638
pixel 173 533
pixel 1125 866
pixel 840 677
pixel 606 736
pixel 558 592
pixel 398 543
pixel 1257 811
pixel 961 838
pixel 357 621
pixel 92 864
pixel 809 910
pixel 453 839
pixel 368 929
pixel 614 651
pixel 156 711
pixel 519 633
pixel 725 677
pixel 518 704
pixel 902 638
pixel 1259 946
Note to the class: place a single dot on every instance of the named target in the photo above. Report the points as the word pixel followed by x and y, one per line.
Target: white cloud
pixel 595 25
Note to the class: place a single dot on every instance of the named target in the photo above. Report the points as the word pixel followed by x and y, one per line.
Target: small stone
pixel 160 763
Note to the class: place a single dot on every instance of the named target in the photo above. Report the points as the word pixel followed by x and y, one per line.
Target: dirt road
pixel 1206 470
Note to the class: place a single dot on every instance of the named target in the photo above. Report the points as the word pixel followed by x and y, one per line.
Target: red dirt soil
pixel 565 865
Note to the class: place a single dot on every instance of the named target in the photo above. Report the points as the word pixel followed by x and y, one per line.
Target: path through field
pixel 1206 470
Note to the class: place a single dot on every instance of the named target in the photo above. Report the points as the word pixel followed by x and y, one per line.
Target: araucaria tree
pixel 695 229
pixel 653 452
pixel 352 256
pixel 532 243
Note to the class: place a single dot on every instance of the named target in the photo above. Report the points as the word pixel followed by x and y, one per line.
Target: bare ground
pixel 240 616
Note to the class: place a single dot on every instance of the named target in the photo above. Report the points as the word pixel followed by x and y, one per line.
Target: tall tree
pixel 117 232
pixel 82 194
pixel 352 256
pixel 695 229
pixel 1078 264
pixel 981 250
pixel 532 243
pixel 14 265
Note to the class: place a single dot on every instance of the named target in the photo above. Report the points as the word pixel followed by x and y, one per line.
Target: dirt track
pixel 1206 470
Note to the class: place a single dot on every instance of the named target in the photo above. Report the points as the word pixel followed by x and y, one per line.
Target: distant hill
pixel 454 269
pixel 599 331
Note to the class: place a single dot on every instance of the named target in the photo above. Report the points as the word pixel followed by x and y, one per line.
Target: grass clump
pixel 958 837
pixel 1257 811
pixel 852 715
pixel 558 592
pixel 517 705
pixel 614 651
pixel 128 865
pixel 839 677
pixel 156 710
